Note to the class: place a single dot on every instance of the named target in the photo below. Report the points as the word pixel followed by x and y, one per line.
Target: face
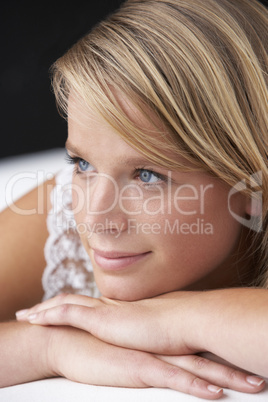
pixel 147 230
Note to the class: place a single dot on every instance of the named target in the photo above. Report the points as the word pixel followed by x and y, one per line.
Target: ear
pixel 254 206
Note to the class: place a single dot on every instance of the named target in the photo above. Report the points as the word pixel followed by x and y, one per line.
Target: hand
pixel 82 358
pixel 116 322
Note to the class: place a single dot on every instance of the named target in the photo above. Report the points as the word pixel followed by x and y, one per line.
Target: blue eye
pixel 83 165
pixel 147 176
pixel 80 164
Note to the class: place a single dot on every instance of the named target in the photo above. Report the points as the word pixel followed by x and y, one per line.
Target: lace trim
pixel 68 269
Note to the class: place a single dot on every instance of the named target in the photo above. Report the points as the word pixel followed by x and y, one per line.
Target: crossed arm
pixel 175 327
pixel 105 342
pixel 151 343
pixel 229 323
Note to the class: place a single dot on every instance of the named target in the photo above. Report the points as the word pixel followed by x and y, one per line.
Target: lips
pixel 117 260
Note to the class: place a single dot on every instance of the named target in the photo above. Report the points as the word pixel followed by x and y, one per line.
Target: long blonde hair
pixel 199 65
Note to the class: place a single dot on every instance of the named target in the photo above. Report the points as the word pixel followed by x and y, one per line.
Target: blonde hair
pixel 202 67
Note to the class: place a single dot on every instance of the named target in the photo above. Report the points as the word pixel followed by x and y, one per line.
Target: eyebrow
pixel 70 147
pixel 125 161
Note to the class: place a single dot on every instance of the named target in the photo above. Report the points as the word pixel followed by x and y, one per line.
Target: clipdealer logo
pixel 132 226
pixel 255 220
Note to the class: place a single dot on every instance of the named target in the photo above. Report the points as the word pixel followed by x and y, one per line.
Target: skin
pixel 174 261
pixel 168 324
pixel 65 349
pixel 27 235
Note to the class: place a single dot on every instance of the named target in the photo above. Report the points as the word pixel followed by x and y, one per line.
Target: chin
pixel 123 290
pixel 122 295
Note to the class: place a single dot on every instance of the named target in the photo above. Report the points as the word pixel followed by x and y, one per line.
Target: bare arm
pixel 23 350
pixel 233 324
pixel 22 239
pixel 30 353
pixel 230 323
pixel 23 353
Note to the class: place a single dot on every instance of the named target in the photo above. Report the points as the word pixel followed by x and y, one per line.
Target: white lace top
pixel 68 268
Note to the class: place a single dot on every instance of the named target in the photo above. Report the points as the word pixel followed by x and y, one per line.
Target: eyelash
pixel 74 160
pixel 161 177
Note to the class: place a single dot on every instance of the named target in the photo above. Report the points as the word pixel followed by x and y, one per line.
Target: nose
pixel 103 210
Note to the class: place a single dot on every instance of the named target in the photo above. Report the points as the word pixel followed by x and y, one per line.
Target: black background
pixel 33 36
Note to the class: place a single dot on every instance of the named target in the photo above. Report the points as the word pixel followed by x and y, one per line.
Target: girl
pixel 167 128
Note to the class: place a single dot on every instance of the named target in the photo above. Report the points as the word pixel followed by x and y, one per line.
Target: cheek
pixel 79 211
pixel 200 241
pixel 76 207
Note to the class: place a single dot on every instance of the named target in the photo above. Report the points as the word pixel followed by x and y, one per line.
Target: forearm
pixel 22 239
pixel 232 324
pixel 23 353
pixel 100 338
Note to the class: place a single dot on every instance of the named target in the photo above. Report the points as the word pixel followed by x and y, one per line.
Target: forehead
pixel 141 116
pixel 144 126
pixel 89 134
pixel 134 125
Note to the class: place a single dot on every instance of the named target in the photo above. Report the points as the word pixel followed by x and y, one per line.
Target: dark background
pixel 33 36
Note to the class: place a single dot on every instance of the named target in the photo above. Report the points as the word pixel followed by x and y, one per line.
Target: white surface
pixel 17 176
pixel 62 390
pixel 20 174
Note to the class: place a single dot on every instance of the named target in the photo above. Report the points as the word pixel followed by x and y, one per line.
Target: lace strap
pixel 68 267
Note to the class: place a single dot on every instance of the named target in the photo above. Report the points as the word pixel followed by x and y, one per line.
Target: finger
pixel 116 366
pixel 104 322
pixel 81 316
pixel 84 318
pixel 92 361
pixel 110 324
pixel 57 301
pixel 73 315
pixel 217 373
pixel 170 376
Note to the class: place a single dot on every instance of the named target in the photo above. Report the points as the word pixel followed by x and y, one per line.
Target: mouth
pixel 117 260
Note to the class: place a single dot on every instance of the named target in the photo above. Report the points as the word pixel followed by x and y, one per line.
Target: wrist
pixel 60 348
pixel 47 359
pixel 193 324
pixel 40 341
pixel 24 353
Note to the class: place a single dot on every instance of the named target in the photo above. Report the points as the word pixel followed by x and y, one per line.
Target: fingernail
pixel 256 381
pixel 21 313
pixel 214 389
